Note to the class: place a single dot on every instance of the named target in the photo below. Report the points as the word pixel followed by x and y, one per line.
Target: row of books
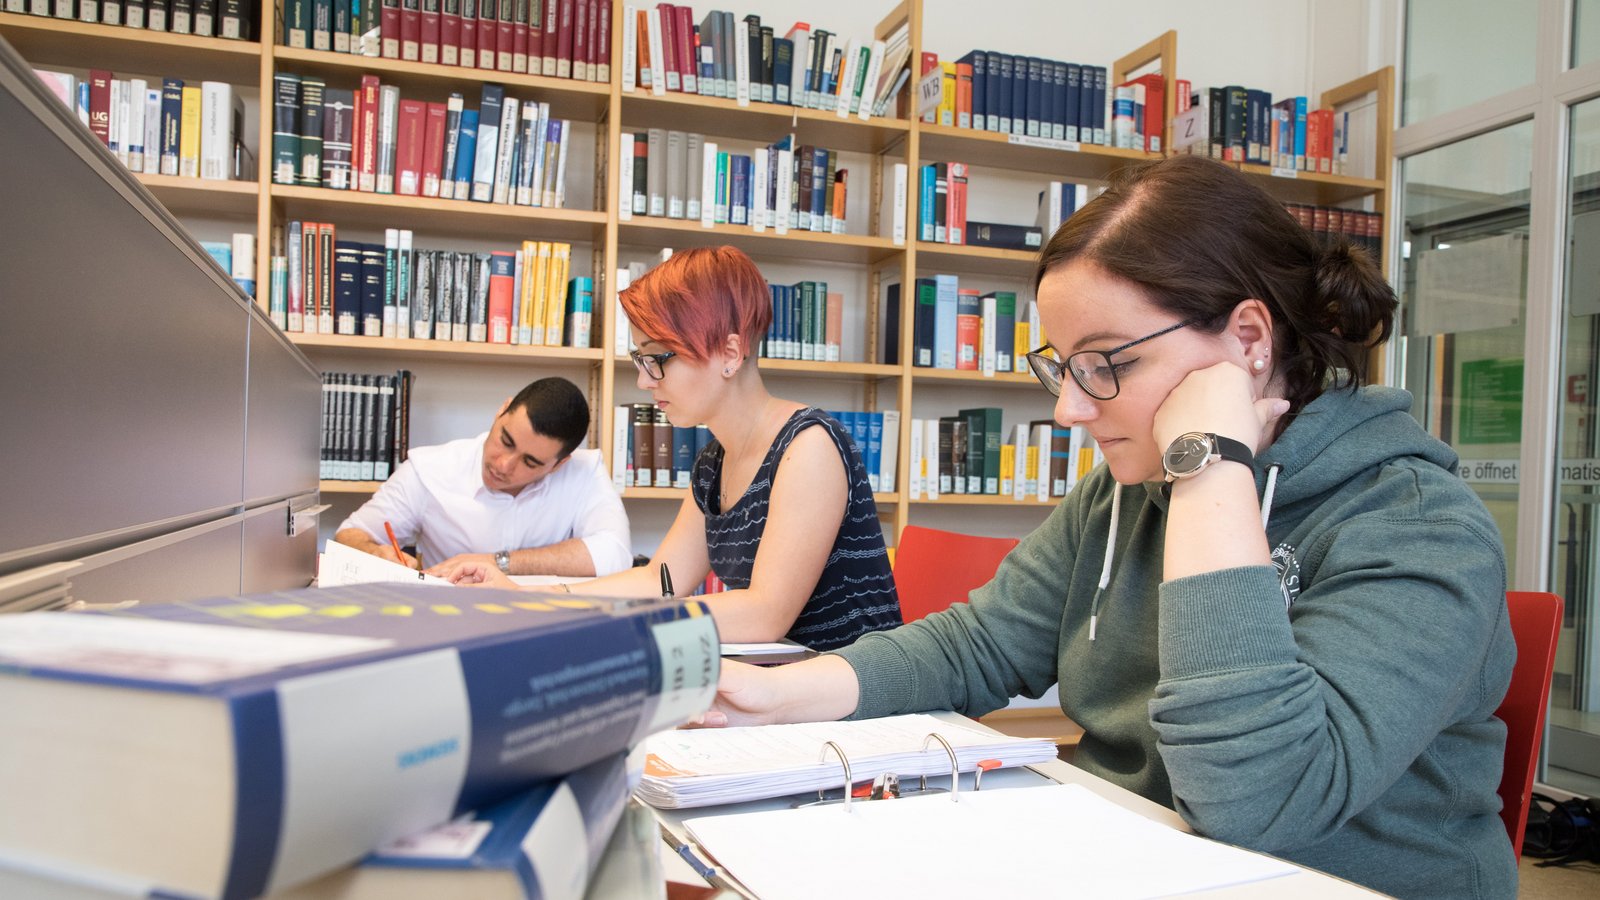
pixel 233 19
pixel 1139 113
pixel 1362 228
pixel 1240 124
pixel 807 323
pixel 366 425
pixel 237 257
pixel 745 61
pixel 554 38
pixel 972 453
pixel 191 130
pixel 1021 95
pixel 372 139
pixel 522 297
pixel 942 211
pixel 680 175
pixel 647 450
pixel 962 328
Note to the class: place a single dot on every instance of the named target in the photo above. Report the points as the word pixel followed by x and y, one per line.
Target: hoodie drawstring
pixel 1111 540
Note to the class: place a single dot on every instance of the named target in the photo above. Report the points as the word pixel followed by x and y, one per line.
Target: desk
pixel 1302 884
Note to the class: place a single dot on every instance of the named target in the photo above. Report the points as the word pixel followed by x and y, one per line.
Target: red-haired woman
pixel 780 508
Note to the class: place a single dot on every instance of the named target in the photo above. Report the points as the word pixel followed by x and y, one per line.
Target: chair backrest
pixel 933 568
pixel 1535 623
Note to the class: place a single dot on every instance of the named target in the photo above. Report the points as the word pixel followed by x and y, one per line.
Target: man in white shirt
pixel 519 497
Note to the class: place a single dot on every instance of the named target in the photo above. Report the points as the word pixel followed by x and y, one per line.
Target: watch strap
pixel 1234 451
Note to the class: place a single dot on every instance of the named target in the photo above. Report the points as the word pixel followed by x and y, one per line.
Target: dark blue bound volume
pixel 347 283
pixel 235 746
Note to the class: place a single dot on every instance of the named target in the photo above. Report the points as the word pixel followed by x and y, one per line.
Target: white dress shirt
pixel 436 499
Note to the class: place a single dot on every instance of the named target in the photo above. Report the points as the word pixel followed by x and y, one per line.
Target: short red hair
pixel 693 301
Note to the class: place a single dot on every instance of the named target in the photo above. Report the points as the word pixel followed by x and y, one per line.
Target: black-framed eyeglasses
pixel 1094 370
pixel 651 363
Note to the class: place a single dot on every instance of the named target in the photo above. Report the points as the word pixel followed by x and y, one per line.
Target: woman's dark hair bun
pixel 1358 304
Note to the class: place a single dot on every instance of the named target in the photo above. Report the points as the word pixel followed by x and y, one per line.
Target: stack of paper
pixel 727 765
pixel 1025 842
pixel 340 565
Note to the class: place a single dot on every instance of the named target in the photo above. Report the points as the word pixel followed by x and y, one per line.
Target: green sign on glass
pixel 1491 402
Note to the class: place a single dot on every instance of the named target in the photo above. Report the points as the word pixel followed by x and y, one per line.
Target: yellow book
pixel 529 253
pixel 1008 463
pixel 556 299
pixel 947 97
pixel 189 137
pixel 541 276
pixel 1023 348
pixel 1030 466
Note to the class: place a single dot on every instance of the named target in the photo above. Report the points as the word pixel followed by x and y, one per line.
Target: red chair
pixel 933 568
pixel 1535 624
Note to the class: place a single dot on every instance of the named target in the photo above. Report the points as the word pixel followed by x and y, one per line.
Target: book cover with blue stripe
pixel 234 746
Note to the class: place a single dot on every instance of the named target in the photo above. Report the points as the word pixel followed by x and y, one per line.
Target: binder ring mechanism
pixel 886 785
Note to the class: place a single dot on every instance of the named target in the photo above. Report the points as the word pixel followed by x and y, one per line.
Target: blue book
pixel 682 456
pixel 782 69
pixel 1299 132
pixel 1033 97
pixel 374 274
pixel 991 92
pixel 171 123
pixel 466 153
pixel 702 437
pixel 1019 95
pixel 488 144
pixel 1073 104
pixel 1007 76
pixel 346 287
pixel 289 734
pixel 222 252
pixel 873 457
pixel 546 842
pixel 944 323
pixel 1098 110
pixel 923 322
pixel 739 189
pixel 1058 101
pixel 927 178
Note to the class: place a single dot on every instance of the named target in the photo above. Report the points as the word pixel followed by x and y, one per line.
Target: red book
pixel 1313 140
pixel 955 212
pixel 1185 96
pixel 467 41
pixel 669 47
pixel 488 31
pixel 564 40
pixel 502 281
pixel 505 41
pixel 1325 161
pixel 410 29
pixel 519 37
pixel 100 105
pixel 1155 110
pixel 408 147
pixel 367 167
pixel 683 31
pixel 580 38
pixel 450 33
pixel 389 29
pixel 325 239
pixel 430 31
pixel 355 139
pixel 552 35
pixel 535 40
pixel 964 95
pixel 602 46
pixel 433 148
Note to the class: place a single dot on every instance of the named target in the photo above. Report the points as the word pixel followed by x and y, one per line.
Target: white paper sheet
pixel 341 565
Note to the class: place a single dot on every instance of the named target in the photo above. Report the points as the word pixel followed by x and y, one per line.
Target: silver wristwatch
pixel 503 560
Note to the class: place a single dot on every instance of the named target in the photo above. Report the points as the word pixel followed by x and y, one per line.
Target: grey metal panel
pixel 271 559
pixel 282 418
pixel 202 561
pixel 122 353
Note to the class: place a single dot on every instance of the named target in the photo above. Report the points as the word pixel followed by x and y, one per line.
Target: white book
pixel 693 186
pixel 524 190
pixel 889 458
pixel 660 79
pixel 897 218
pixel 1041 444
pixel 802 59
pixel 403 285
pixel 741 65
pixel 388 128
pixel 1061 486
pixel 782 202
pixel 244 261
pixel 708 185
pixel 216 129
pixel 820 99
pixel 1019 462
pixel 138 90
pixel 542 161
pixel 391 248
pixel 914 483
pixel 510 115
pixel 1035 334
pixel 930 457
pixel 620 456
pixel 625 177
pixel 758 189
pixel 990 323
pixel 622 332
pixel 677 174
pixel 483 166
pixel 152 131
pixel 848 74
pixel 869 87
pixel 116 138
pixel 656 172
pixel 559 201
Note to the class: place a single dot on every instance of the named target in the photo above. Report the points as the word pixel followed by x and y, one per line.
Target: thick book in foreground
pixel 234 746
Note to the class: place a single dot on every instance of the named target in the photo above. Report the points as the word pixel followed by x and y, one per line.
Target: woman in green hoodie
pixel 1277 608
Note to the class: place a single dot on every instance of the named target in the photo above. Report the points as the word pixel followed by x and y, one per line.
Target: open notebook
pixel 341 565
pixel 1046 841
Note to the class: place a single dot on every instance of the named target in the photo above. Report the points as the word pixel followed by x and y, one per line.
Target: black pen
pixel 666 583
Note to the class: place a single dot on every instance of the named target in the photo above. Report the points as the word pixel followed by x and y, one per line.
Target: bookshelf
pixel 605 239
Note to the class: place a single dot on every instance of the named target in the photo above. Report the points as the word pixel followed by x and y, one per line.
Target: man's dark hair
pixel 557 409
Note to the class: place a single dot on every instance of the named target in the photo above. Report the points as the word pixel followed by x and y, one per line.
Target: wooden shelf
pixel 857 249
pixel 348 487
pixel 1058 159
pixel 188 196
pixel 457 350
pixel 666 493
pixel 966 259
pixel 583 101
pixel 1022 379
pixel 839 370
pixel 45 41
pixel 759 123
pixel 985 500
pixel 1312 187
pixel 435 216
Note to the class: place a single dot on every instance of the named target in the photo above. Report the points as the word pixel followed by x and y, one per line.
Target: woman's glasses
pixel 1094 370
pixel 650 363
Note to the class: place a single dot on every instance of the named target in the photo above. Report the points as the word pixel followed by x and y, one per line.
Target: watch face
pixel 1186 454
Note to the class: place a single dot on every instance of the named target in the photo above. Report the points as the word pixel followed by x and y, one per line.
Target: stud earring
pixel 727 371
pixel 1259 365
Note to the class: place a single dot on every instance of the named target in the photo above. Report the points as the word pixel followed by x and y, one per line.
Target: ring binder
pixel 955 767
pixel 886 785
pixel 843 761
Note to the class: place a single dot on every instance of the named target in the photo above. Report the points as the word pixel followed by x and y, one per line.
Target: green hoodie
pixel 1352 733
